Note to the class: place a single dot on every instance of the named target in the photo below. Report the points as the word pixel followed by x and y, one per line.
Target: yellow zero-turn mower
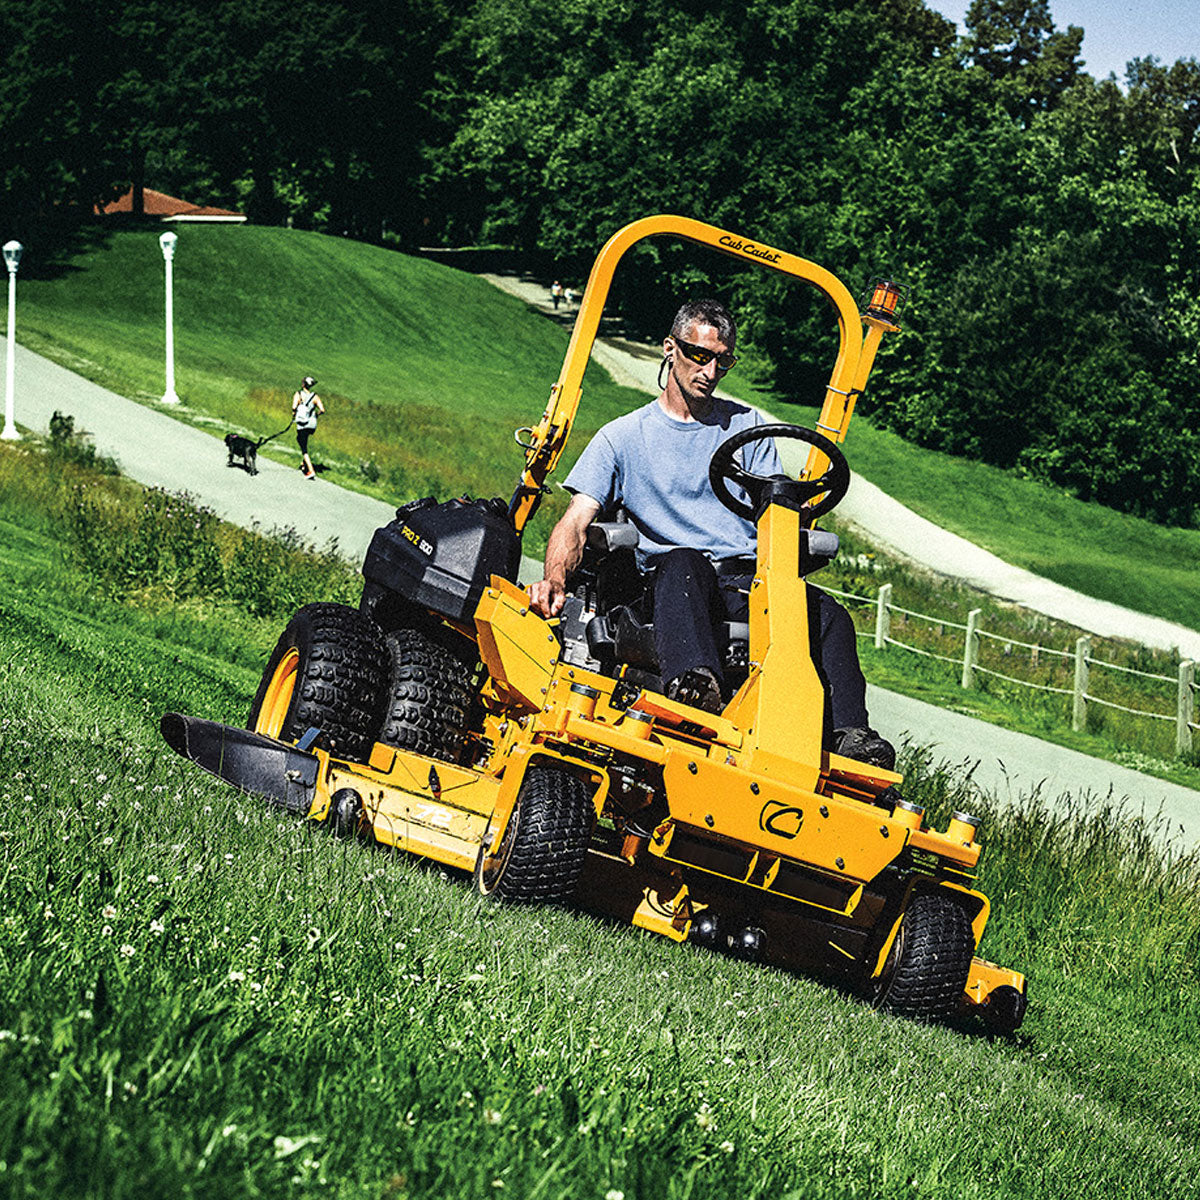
pixel 445 717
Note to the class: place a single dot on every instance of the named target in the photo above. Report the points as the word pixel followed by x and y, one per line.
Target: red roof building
pixel 168 208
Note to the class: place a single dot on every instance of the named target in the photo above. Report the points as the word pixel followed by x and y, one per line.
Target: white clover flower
pixel 727 1147
pixel 492 1117
pixel 237 976
pixel 152 879
pixel 614 1194
pixel 127 951
pixel 108 912
pixel 106 931
pixel 705 1118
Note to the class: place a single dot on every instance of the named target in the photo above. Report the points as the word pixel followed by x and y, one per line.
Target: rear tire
pixel 541 856
pixel 429 697
pixel 930 960
pixel 328 670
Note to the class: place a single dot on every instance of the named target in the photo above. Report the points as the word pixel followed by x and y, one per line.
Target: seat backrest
pixel 612 535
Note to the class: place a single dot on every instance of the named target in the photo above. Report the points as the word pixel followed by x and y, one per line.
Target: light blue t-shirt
pixel 657 467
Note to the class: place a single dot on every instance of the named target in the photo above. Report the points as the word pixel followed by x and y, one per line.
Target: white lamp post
pixel 167 242
pixel 12 259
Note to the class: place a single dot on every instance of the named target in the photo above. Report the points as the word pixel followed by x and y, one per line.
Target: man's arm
pixel 563 552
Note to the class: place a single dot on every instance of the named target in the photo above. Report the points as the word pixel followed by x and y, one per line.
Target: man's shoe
pixel 865 745
pixel 698 688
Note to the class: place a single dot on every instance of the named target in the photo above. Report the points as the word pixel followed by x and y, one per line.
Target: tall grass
pixel 201 997
pixel 163 549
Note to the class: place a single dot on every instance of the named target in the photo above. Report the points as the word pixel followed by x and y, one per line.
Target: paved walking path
pixel 155 448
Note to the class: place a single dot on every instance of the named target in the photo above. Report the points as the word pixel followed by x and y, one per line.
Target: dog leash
pixel 273 436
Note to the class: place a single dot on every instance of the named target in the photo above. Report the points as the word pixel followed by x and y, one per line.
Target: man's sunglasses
pixel 702 356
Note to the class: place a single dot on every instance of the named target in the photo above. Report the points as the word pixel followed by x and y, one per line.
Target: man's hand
pixel 563 553
pixel 546 597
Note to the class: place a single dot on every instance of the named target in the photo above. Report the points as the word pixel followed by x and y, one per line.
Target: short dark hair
pixel 706 312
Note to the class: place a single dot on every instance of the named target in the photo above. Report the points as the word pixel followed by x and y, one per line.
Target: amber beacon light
pixel 884 300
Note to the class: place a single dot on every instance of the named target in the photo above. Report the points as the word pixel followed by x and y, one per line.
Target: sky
pixel 1116 31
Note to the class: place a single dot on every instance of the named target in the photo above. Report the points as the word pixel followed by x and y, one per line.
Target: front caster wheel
pixel 927 968
pixel 542 853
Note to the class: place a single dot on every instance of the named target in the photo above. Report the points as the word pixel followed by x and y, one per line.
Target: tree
pixel 1016 44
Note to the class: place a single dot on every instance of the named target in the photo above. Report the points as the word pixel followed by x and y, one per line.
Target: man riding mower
pixel 547 742
pixel 696 545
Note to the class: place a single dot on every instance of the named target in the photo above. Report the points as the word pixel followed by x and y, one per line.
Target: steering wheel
pixel 723 470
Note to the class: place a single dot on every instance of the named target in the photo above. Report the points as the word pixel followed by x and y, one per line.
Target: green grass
pixel 202 997
pixel 427 371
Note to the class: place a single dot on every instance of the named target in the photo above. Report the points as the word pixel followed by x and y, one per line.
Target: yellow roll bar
pixel 548 438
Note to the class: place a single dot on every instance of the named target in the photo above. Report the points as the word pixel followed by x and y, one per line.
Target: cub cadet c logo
pixel 783 820
pixel 767 255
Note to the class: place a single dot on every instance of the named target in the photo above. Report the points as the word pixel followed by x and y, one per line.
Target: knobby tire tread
pixel 341 678
pixel 429 698
pixel 928 981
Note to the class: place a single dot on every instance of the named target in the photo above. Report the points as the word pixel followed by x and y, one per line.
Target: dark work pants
pixel 690 603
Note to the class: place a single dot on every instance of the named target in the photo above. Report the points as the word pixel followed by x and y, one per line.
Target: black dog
pixel 244 448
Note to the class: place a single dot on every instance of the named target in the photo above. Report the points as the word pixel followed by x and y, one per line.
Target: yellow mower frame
pixel 816 856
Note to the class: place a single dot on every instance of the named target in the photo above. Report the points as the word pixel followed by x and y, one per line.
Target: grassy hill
pixel 427 372
pixel 202 997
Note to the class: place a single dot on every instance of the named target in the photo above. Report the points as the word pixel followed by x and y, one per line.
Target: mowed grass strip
pixel 202 996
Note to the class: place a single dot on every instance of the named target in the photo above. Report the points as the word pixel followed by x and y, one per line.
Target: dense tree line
pixel 1046 221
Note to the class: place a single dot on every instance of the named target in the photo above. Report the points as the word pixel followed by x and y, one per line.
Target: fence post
pixel 971 650
pixel 883 618
pixel 1083 647
pixel 1185 713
